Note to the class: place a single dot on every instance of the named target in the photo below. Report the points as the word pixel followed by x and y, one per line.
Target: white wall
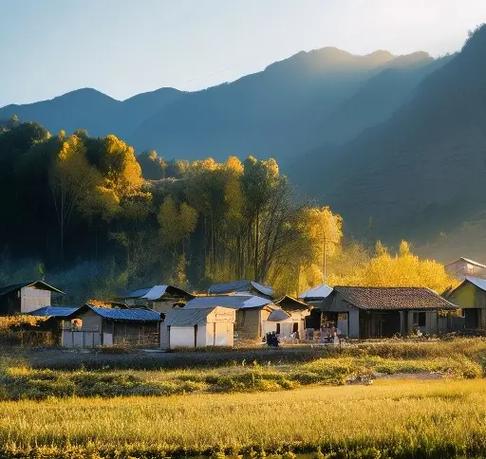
pixel 32 298
pixel 182 337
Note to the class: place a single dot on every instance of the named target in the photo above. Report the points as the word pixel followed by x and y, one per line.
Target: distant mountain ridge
pixel 422 172
pixel 321 96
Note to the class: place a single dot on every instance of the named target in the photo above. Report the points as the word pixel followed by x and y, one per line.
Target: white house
pixel 199 327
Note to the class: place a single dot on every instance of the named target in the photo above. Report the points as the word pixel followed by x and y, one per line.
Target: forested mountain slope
pixel 423 171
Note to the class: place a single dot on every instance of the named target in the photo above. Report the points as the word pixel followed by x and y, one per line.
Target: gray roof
pixel 468 260
pixel 182 317
pixel 392 298
pixel 126 315
pixel 278 315
pixel 229 301
pixel 38 284
pixel 240 286
pixel 54 311
pixel 319 292
pixel 479 283
pixel 156 292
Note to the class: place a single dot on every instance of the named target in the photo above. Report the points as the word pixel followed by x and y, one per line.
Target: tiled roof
pixel 393 298
pixel 182 317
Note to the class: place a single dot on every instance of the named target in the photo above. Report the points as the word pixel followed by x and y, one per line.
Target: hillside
pixel 325 95
pixel 422 172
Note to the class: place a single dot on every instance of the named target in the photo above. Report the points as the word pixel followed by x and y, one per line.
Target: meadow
pixel 432 419
pixel 394 398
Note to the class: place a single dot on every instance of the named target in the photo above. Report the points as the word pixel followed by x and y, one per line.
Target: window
pixel 278 329
pixel 419 319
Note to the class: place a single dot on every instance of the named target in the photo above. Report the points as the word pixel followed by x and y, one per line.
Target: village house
pixel 90 326
pixel 251 312
pixel 313 297
pixel 377 312
pixel 241 286
pixel 293 326
pixel 160 298
pixel 26 297
pixel 199 327
pixel 470 297
pixel 463 267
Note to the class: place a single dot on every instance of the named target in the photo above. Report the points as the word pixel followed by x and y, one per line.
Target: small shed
pixel 160 298
pixel 198 327
pixel 241 286
pixel 26 297
pixel 91 326
pixel 470 297
pixel 251 312
pixel 377 312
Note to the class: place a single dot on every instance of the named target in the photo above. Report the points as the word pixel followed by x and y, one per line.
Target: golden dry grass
pixel 389 419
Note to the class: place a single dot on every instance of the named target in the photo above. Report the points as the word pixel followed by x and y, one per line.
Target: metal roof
pixel 392 298
pixel 182 317
pixel 229 301
pixel 54 311
pixel 38 284
pixel 468 260
pixel 321 291
pixel 156 292
pixel 278 315
pixel 480 283
pixel 240 286
pixel 128 314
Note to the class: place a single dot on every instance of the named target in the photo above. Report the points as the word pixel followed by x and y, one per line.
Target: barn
pixel 26 297
pixel 198 327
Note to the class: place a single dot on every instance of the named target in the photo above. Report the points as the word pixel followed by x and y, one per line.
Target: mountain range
pixel 396 144
pixel 311 98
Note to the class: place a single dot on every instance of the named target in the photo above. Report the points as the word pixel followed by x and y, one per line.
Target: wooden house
pixel 198 328
pixel 376 312
pixel 243 287
pixel 464 267
pixel 26 297
pixel 160 298
pixel 91 326
pixel 470 297
pixel 251 312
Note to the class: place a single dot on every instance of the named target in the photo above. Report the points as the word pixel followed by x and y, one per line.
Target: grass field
pixel 389 419
pixel 427 400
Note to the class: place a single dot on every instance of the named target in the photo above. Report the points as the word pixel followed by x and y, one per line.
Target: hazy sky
pixel 125 47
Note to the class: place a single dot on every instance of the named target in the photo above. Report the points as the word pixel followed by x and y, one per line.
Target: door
pixel 471 318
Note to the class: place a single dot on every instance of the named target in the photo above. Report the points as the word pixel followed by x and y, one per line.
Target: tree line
pixel 71 199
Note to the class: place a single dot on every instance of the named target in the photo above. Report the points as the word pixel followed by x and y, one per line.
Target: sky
pixel 123 47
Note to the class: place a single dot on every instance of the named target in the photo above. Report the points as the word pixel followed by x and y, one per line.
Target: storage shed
pixel 198 327
pixel 376 312
pixel 26 297
pixel 91 326
pixel 251 312
pixel 470 297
